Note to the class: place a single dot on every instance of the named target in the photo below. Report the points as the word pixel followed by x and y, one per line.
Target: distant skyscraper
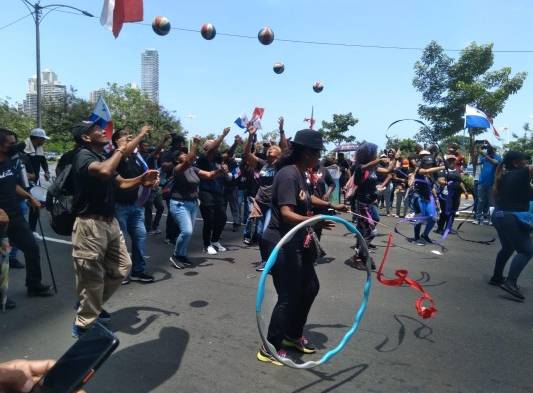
pixel 150 74
pixel 52 91
pixel 95 94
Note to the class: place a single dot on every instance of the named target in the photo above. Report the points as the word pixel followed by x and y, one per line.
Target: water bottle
pixel 24 176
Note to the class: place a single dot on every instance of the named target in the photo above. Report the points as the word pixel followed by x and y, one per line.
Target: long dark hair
pixel 291 156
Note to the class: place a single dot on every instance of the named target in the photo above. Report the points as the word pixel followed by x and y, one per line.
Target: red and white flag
pixel 117 12
pixel 257 116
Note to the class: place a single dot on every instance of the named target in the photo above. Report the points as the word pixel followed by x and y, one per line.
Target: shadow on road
pixel 324 377
pixel 126 319
pixel 319 339
pixel 143 367
pixel 423 332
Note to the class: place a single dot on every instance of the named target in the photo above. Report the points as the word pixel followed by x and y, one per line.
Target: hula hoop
pixel 261 293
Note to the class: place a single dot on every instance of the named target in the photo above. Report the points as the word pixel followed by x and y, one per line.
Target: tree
pixel 407 146
pixel 523 143
pixel 334 132
pixel 447 85
pixel 15 120
pixel 59 117
pixel 270 136
pixel 131 108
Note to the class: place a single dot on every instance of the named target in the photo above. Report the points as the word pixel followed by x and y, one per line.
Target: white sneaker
pixel 211 250
pixel 218 246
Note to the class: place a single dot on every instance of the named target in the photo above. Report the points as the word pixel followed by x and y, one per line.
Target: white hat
pixel 424 153
pixel 39 133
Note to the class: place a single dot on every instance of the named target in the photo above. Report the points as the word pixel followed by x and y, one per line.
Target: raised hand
pixel 226 130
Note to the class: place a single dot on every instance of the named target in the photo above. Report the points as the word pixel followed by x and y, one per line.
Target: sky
pixel 216 81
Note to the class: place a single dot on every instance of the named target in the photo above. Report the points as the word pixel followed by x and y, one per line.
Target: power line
pixel 303 42
pixel 15 21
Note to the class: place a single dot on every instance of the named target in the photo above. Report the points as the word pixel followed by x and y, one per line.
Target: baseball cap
pixel 39 133
pixel 450 157
pixel 383 156
pixel 309 138
pixel 424 153
pixel 83 127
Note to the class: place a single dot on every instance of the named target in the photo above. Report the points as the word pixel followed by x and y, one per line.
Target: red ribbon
pixel 402 278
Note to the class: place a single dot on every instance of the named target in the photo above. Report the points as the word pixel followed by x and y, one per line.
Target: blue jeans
pixel 24 208
pixel 131 220
pixel 184 214
pixel 250 229
pixel 483 201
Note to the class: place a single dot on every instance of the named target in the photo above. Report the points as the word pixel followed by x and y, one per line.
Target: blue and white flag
pixel 242 121
pixel 474 118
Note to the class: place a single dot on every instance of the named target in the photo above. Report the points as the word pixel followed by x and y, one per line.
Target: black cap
pixel 83 127
pixel 309 138
pixel 513 155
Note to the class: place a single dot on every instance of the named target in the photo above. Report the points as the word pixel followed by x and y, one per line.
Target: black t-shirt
pixel 289 188
pixel 249 180
pixel 9 200
pixel 92 195
pixel 514 191
pixel 423 185
pixel 382 176
pixel 186 184
pixel 211 192
pixel 265 179
pixel 367 182
pixel 129 168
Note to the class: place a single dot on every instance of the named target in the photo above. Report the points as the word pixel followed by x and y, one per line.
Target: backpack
pixel 59 203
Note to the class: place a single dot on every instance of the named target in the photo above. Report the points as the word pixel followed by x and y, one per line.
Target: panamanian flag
pixel 101 115
pixel 117 12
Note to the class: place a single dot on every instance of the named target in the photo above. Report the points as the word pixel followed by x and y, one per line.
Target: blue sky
pixel 219 80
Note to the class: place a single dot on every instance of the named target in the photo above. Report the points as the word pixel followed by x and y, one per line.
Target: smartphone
pixel 76 367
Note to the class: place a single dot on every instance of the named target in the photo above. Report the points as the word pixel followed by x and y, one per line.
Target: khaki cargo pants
pixel 101 262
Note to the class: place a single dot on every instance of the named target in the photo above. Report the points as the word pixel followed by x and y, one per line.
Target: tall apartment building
pixel 150 74
pixel 51 91
pixel 95 94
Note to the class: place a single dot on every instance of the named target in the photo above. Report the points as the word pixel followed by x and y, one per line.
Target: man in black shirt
pixel 130 212
pixel 101 260
pixel 19 232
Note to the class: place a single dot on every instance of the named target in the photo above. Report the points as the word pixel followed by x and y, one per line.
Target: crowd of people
pixel 121 191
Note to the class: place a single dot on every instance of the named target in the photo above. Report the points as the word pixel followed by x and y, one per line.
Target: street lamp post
pixel 36 11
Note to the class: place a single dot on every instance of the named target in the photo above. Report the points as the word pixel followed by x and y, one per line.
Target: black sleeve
pixel 44 164
pixel 83 159
pixel 287 188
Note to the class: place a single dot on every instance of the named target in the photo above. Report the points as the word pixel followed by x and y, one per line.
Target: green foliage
pixel 15 120
pixel 270 136
pixel 132 109
pixel 407 146
pixel 58 119
pixel 447 85
pixel 334 132
pixel 468 181
pixel 523 143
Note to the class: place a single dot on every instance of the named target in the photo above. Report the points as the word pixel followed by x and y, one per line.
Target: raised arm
pixel 216 144
pixel 189 159
pixel 250 157
pixel 283 142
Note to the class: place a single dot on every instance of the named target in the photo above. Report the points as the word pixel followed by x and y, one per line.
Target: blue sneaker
pixel 104 316
pixel 78 331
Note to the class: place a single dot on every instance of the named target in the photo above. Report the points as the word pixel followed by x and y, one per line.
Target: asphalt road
pixel 194 330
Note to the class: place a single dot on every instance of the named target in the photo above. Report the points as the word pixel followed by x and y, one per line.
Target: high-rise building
pixel 95 94
pixel 52 91
pixel 150 74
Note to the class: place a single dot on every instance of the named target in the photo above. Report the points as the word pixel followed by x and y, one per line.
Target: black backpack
pixel 59 202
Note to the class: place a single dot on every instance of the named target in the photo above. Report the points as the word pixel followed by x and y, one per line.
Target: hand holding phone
pixel 77 366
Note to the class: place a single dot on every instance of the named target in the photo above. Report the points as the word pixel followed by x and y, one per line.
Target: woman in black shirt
pixel 184 201
pixel 294 275
pixel 512 219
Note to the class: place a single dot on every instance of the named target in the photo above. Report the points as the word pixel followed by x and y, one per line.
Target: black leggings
pixel 513 237
pixel 214 221
pixel 156 201
pixel 21 236
pixel 297 286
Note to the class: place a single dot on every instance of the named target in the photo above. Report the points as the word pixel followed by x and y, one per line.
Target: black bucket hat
pixel 309 138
